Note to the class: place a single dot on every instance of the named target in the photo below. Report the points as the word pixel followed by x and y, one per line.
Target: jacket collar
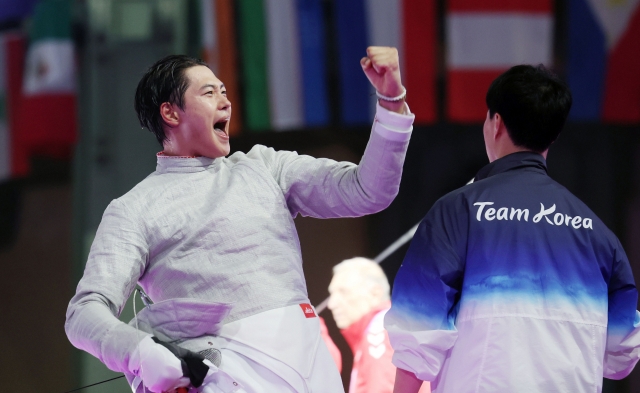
pixel 182 163
pixel 520 160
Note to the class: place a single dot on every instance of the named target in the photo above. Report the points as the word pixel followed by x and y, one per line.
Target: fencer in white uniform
pixel 211 239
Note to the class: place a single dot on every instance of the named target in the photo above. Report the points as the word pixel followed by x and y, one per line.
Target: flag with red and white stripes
pixel 486 37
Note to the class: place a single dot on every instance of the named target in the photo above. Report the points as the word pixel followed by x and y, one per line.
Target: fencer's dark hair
pixel 534 104
pixel 164 81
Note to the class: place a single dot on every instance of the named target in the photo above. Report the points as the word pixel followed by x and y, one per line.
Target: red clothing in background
pixel 335 352
pixel 372 370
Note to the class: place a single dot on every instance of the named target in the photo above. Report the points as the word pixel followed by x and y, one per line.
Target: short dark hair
pixel 165 81
pixel 533 103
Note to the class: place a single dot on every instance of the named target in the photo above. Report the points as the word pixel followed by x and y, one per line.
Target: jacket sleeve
pixel 324 188
pixel 116 261
pixel 623 331
pixel 421 321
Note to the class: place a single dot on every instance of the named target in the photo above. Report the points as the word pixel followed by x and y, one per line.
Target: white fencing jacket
pixel 221 230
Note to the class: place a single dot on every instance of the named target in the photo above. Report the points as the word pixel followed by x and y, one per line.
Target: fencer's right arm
pixel 623 330
pixel 116 261
pixel 425 293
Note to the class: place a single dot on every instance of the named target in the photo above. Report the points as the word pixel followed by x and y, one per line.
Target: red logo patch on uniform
pixel 307 310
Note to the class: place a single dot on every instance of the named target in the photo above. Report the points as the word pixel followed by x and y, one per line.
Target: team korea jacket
pixel 512 284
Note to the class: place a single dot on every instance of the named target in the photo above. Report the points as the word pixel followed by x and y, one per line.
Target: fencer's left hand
pixel 382 68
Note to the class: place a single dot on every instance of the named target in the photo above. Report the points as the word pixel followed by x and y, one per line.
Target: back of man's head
pixel 534 104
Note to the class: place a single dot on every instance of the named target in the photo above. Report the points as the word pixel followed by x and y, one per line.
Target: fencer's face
pixel 350 298
pixel 204 123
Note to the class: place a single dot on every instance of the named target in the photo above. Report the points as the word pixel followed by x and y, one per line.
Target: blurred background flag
pixel 419 57
pixel 50 63
pixel 384 28
pixel 218 41
pixel 5 138
pixel 14 160
pixel 410 26
pixel 352 40
pixel 283 64
pixel 15 10
pixel 604 60
pixel 47 111
pixel 253 54
pixel 313 56
pixel 289 58
pixel 228 59
pixel 209 34
pixel 486 37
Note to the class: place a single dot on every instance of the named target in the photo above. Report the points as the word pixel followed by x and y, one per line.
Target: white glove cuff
pixel 159 369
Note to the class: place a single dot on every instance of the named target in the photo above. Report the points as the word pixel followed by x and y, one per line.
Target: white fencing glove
pixel 218 381
pixel 165 367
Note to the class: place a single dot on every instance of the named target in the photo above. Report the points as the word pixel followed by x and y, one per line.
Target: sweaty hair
pixel 533 103
pixel 165 81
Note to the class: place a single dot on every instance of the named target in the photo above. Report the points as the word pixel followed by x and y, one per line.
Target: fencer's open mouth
pixel 221 126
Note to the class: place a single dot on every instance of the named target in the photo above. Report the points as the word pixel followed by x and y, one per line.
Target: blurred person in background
pixel 359 299
pixel 511 283
pixel 212 241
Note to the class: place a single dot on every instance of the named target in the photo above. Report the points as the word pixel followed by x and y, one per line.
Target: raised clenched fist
pixel 382 68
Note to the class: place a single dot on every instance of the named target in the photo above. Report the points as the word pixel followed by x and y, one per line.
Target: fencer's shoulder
pixel 257 152
pixel 260 154
pixel 146 190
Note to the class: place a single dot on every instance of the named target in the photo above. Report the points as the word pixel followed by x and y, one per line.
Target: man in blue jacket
pixel 511 283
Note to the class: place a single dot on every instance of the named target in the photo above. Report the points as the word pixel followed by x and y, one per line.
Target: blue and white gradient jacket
pixel 512 284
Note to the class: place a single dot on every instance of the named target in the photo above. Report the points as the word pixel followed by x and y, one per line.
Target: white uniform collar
pixel 182 163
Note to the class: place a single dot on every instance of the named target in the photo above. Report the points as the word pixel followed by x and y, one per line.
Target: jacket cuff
pixel 420 352
pixel 393 126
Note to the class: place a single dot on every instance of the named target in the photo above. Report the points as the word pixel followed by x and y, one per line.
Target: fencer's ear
pixel 169 114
